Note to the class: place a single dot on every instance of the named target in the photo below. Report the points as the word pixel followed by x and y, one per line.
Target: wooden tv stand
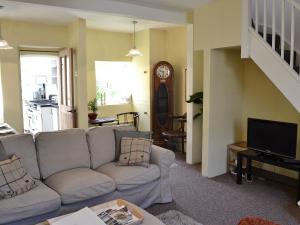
pixel 250 155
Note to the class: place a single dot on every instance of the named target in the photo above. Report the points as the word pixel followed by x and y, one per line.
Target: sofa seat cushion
pixel 38 201
pixel 127 177
pixel 80 184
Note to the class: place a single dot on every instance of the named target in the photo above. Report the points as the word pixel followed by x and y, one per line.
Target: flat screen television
pixel 272 137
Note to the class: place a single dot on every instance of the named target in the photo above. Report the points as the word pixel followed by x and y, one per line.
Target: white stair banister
pixel 256 16
pixel 271 31
pixel 265 20
pixel 273 24
pixel 292 36
pixel 282 27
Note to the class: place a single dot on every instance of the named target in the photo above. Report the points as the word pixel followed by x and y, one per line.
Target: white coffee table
pixel 148 218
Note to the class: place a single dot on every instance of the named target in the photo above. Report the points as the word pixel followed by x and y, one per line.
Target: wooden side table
pixel 232 151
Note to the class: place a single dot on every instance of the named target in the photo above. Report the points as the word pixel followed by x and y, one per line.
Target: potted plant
pixel 197 98
pixel 93 107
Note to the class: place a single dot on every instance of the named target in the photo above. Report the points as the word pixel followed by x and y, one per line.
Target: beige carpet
pixel 220 201
pixel 173 217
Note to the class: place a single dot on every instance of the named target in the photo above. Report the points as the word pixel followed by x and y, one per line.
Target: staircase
pixel 271 37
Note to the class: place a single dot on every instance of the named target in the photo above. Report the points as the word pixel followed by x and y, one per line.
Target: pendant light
pixel 3 43
pixel 134 51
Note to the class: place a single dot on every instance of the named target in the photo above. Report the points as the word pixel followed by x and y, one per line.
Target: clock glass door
pixel 162 104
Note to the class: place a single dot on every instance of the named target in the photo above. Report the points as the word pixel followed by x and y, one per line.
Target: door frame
pixel 31 51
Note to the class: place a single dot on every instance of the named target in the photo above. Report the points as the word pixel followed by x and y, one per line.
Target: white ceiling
pixel 179 5
pixel 27 10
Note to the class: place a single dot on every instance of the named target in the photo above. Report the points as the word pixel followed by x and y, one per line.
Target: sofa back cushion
pixel 62 150
pixel 22 145
pixel 101 142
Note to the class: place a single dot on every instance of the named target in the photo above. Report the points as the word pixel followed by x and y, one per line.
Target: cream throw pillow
pixel 135 151
pixel 14 179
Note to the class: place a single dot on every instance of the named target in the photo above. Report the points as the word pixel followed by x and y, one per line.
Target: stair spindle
pixel 292 36
pixel 256 16
pixel 282 27
pixel 265 21
pixel 273 24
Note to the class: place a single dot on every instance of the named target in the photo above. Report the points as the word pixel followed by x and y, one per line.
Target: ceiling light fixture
pixel 134 51
pixel 3 43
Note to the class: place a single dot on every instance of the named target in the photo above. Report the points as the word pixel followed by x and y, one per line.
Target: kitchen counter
pixel 42 103
pixel 41 115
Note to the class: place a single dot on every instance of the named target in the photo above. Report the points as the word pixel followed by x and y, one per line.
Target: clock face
pixel 163 72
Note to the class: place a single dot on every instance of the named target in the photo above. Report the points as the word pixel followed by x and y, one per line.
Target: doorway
pixel 40 91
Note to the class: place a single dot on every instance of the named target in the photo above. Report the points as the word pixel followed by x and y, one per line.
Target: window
pixel 113 82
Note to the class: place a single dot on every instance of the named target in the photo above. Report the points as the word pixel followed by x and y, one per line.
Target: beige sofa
pixel 76 168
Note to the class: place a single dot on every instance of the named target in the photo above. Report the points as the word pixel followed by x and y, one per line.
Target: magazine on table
pixel 118 215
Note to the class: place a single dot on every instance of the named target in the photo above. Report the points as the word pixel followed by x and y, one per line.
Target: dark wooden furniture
pixel 102 120
pixel 251 155
pixel 172 135
pixel 162 100
pixel 232 151
pixel 129 118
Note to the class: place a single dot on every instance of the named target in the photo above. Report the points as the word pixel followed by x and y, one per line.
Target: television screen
pixel 272 137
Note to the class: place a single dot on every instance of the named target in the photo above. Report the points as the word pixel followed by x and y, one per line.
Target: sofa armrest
pixel 161 157
pixel 164 159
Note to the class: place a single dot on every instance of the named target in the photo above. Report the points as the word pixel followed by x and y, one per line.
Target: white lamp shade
pixel 4 44
pixel 134 52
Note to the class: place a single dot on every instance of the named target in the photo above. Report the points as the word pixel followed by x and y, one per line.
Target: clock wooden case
pixel 162 100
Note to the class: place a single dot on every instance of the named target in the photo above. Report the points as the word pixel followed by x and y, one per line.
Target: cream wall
pixel 141 93
pixel 157 45
pixel 263 100
pixel 77 39
pixel 100 45
pixel 106 46
pixel 171 45
pixel 176 54
pixel 218 24
pixel 23 34
pixel 223 97
pixel 215 25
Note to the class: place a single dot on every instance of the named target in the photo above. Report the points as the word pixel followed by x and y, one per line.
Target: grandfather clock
pixel 162 100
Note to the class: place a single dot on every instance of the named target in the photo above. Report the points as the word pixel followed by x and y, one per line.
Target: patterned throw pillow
pixel 135 151
pixel 119 134
pixel 14 180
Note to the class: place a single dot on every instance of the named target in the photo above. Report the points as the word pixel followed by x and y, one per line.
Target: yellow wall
pixel 157 45
pixel 77 39
pixel 217 25
pixel 176 39
pixel 263 100
pixel 236 89
pixel 141 94
pixel 223 98
pixel 106 46
pixel 22 34
pixel 170 45
pixel 100 45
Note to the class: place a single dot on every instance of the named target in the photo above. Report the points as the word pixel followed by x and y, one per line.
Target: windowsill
pixel 111 105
